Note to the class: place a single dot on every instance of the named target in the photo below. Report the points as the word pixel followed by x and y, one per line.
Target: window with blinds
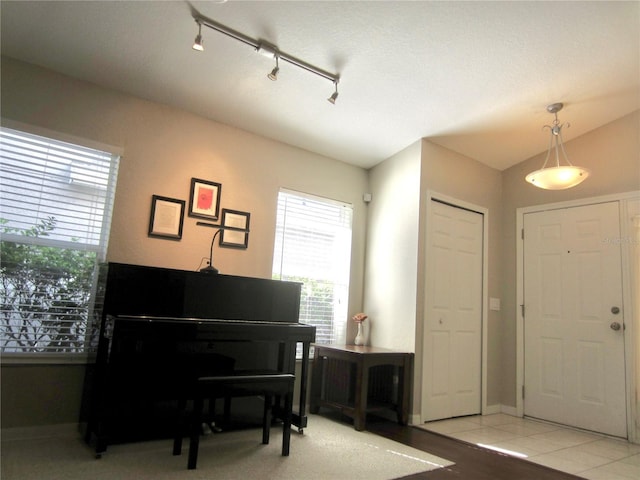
pixel 55 211
pixel 313 246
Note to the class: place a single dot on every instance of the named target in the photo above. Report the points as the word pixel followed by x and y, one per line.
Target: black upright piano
pixel 162 328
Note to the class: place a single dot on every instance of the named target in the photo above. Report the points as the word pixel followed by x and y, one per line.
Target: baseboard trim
pixel 414 419
pixel 41 431
pixel 508 410
pixel 492 409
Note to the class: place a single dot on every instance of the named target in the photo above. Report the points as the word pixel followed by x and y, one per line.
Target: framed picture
pixel 167 215
pixel 236 231
pixel 205 199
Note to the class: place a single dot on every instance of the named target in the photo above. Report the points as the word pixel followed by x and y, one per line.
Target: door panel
pixel 574 360
pixel 453 315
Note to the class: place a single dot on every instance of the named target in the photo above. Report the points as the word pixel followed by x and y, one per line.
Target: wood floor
pixel 471 462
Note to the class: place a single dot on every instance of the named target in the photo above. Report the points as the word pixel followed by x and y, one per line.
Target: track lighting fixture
pixel 334 95
pixel 197 44
pixel 557 177
pixel 274 73
pixel 266 49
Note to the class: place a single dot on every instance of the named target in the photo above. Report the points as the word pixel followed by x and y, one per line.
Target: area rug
pixel 327 450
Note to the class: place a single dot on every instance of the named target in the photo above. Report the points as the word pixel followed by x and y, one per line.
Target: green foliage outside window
pixel 45 293
pixel 316 306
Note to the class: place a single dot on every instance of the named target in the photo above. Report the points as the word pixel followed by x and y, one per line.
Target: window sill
pixel 47 358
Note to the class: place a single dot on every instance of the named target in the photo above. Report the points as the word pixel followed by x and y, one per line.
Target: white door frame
pixel 631 381
pixel 454 202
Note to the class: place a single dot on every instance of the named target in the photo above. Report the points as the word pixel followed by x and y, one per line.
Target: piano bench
pixel 268 385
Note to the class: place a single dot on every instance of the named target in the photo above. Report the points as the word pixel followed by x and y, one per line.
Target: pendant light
pixel 557 177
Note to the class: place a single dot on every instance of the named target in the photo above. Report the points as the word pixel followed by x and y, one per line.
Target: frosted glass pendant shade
pixel 557 178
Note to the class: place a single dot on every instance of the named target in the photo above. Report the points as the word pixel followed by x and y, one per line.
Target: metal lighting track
pixel 265 48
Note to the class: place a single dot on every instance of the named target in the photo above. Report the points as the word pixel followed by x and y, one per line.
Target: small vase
pixel 359 340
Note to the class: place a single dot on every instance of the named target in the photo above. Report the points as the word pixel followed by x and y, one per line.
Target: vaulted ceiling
pixel 475 77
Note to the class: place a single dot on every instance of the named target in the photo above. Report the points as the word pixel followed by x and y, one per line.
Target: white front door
pixel 452 365
pixel 573 320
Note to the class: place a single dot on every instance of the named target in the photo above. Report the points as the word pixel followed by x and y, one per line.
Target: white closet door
pixel 452 368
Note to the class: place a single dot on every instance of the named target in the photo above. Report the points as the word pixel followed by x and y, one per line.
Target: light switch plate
pixel 494 304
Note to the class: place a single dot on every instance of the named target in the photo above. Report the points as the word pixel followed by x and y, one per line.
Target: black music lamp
pixel 210 269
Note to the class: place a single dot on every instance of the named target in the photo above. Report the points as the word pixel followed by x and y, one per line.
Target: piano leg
pixel 194 440
pixel 101 446
pixel 101 440
pixel 300 420
pixel 316 381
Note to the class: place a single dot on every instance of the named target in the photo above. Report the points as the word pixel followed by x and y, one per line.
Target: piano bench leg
pixel 180 421
pixel 177 446
pixel 266 419
pixel 267 385
pixel 286 424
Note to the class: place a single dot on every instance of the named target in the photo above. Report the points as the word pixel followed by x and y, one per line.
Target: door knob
pixel 615 326
pixel 615 310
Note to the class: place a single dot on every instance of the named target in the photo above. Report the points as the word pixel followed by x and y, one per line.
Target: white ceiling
pixel 475 77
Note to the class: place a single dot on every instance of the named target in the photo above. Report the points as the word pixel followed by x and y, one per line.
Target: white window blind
pixel 55 212
pixel 313 246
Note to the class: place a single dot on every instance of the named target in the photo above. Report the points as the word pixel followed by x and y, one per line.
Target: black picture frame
pixel 204 200
pixel 167 217
pixel 235 233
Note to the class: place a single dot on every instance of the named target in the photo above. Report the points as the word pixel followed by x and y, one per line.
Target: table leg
pixel 404 380
pixel 362 388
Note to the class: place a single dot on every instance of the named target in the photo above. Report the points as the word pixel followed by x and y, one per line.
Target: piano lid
pixel 161 292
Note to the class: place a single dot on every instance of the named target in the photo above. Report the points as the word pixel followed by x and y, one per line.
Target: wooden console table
pixel 343 378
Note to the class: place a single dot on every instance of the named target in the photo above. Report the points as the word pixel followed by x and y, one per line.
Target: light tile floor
pixel 584 454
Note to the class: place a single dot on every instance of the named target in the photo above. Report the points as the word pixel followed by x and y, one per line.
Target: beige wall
pixel 392 251
pixel 395 273
pixel 41 394
pixel 162 149
pixel 612 153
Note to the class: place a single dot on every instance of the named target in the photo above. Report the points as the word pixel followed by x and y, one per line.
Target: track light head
pixel 197 44
pixel 334 96
pixel 274 73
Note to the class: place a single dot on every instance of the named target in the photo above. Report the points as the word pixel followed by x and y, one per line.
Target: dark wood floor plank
pixel 471 462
